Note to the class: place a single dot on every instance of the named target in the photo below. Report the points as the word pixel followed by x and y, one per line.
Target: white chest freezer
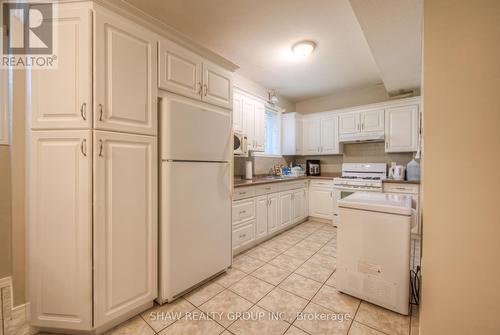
pixel 373 255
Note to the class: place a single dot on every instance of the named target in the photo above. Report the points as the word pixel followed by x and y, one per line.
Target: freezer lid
pixel 379 202
pixel 194 131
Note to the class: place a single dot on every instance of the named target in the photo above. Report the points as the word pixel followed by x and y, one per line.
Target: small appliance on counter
pixel 397 172
pixel 313 167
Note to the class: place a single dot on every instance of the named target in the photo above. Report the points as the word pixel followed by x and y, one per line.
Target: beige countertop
pixel 259 180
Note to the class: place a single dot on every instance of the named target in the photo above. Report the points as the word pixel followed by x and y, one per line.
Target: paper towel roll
pixel 248 170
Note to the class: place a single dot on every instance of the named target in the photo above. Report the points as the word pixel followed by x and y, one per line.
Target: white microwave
pixel 240 144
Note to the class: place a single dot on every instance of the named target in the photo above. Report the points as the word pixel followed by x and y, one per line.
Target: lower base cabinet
pixel 321 199
pixel 260 216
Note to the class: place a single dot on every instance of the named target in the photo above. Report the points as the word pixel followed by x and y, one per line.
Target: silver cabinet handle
pixel 83 147
pixel 100 112
pixel 268 188
pixel 100 148
pixel 243 235
pixel 387 143
pixel 243 193
pixel 243 212
pixel 205 87
pixel 83 111
pixel 331 194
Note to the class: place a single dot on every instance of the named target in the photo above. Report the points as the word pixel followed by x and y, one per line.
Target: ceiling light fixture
pixel 303 48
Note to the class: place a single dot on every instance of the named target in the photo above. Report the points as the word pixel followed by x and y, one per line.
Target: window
pixel 272 132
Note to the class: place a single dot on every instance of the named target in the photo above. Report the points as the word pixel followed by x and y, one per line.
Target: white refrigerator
pixel 195 199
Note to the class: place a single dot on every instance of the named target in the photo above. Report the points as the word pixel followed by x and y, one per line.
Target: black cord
pixel 415 285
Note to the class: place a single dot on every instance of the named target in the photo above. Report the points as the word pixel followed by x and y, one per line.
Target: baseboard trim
pixel 14 319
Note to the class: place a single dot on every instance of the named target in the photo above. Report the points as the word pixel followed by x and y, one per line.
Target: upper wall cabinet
pixel 184 72
pixel 359 125
pixel 292 129
pixel 251 112
pixel 321 135
pixel 401 128
pixel 125 75
pixel 61 98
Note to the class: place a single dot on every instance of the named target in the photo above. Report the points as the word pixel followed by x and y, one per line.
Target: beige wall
pixel 5 213
pixel 350 98
pixel 461 231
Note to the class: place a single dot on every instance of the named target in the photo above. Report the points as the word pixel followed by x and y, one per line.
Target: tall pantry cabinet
pixel 93 173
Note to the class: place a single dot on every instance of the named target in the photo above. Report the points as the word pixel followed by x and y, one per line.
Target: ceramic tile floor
pixel 293 272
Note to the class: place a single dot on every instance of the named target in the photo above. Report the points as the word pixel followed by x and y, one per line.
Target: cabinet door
pixel 312 136
pixel 217 85
pixel 125 224
pixel 62 97
pixel 273 213
pixel 329 136
pixel 372 120
pixel 321 203
pixel 299 205
pixel 259 127
pixel 261 216
pixel 401 129
pixel 125 75
pixel 60 229
pixel 179 70
pixel 238 113
pixel 348 123
pixel 249 122
pixel 285 209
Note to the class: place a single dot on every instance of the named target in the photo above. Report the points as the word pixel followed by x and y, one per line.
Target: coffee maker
pixel 313 167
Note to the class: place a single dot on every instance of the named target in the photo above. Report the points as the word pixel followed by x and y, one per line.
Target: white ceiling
pixel 257 36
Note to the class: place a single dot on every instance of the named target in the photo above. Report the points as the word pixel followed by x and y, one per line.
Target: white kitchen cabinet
pixel 261 221
pixel 179 70
pixel 348 123
pixel 402 128
pixel 321 135
pixel 372 120
pixel 292 134
pixel 329 136
pixel 299 199
pixel 60 229
pixel 238 113
pixel 217 85
pixel 183 72
pixel 273 213
pixel 125 224
pixel 125 97
pixel 259 128
pixel 243 235
pixel 253 114
pixel 61 98
pixel 321 200
pixel 312 136
pixel 286 208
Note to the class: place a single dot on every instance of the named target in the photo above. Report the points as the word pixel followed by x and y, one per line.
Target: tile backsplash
pixel 371 152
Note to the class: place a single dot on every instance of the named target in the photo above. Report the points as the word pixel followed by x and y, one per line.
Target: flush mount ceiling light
pixel 303 48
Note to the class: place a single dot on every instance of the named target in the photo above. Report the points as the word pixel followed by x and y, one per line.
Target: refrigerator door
pixel 193 130
pixel 195 228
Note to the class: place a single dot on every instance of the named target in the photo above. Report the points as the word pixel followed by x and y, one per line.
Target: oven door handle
pixel 357 189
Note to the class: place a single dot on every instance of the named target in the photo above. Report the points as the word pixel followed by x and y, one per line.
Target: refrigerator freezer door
pixel 193 130
pixel 195 224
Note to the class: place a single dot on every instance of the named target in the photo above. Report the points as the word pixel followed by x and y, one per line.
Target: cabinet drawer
pixel 321 183
pixel 266 189
pixel 401 188
pixel 243 210
pixel 243 192
pixel 244 234
pixel 292 185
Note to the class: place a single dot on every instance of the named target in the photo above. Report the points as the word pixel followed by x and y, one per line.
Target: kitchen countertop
pixel 259 180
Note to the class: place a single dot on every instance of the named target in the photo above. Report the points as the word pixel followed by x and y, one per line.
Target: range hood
pixel 362 137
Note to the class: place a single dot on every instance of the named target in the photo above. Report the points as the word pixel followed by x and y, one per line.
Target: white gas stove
pixel 357 177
